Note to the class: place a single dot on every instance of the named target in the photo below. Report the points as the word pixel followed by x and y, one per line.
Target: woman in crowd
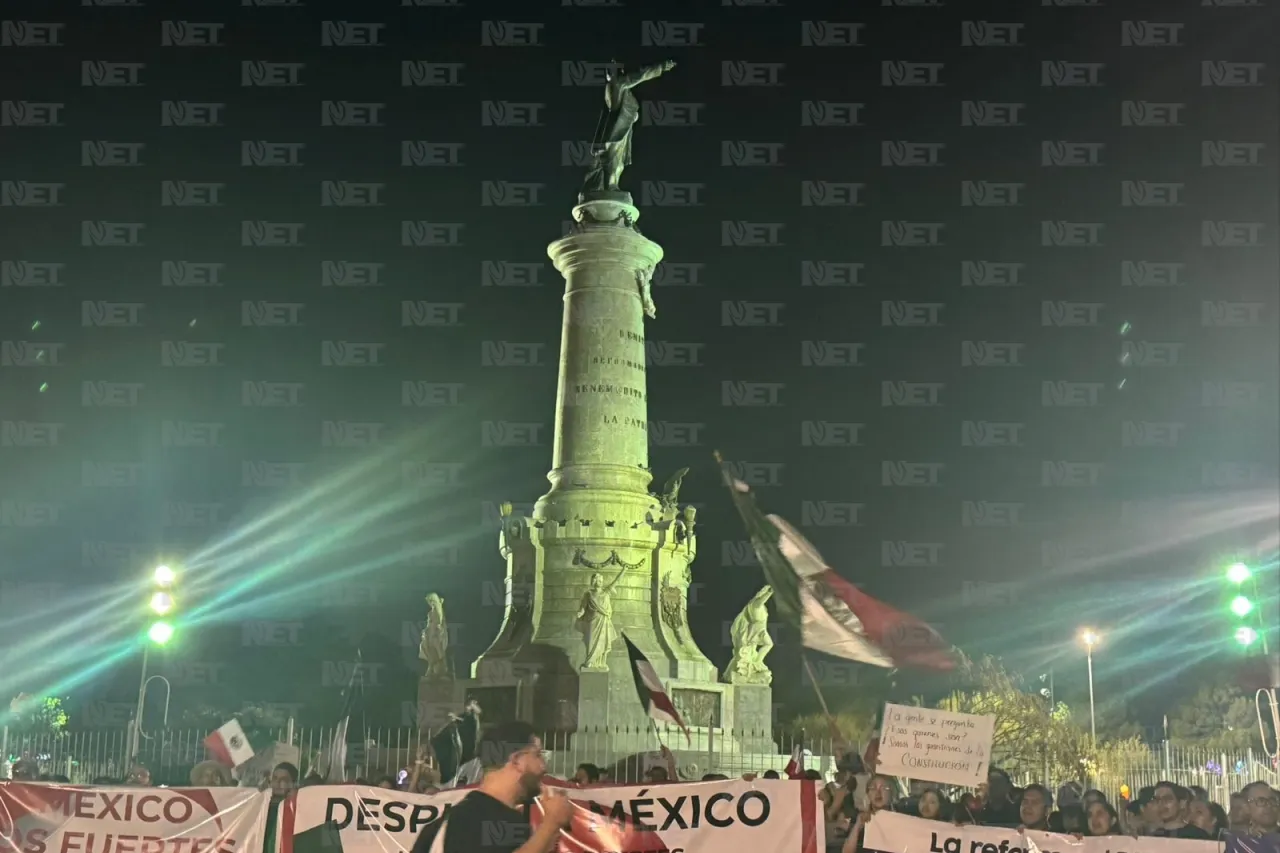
pixel 933 805
pixel 1102 818
pixel 879 798
pixel 1210 817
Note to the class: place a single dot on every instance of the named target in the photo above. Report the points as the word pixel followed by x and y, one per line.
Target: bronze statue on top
pixel 611 149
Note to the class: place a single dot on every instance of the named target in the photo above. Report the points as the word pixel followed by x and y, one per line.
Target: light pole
pixel 1266 700
pixel 1090 638
pixel 160 632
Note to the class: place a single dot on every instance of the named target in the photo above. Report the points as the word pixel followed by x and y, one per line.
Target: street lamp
pixel 1090 638
pixel 161 604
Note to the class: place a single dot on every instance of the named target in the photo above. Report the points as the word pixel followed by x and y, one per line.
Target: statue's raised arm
pixel 649 72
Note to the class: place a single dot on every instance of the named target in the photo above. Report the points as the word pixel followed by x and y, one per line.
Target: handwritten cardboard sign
pixel 937 746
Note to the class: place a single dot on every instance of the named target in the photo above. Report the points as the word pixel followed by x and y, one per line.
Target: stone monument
pixel 433 648
pixel 600 554
pixel 749 634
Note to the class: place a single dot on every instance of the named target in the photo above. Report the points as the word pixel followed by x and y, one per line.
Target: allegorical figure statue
pixel 612 145
pixel 670 497
pixel 595 620
pixel 434 647
pixel 751 642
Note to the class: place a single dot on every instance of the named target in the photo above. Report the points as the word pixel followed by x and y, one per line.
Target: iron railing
pixel 86 756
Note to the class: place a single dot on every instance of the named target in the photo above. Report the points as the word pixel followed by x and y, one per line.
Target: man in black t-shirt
pixel 488 820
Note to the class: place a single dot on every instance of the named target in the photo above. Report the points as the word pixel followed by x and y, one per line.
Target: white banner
pixel 774 815
pixel 41 818
pixel 898 833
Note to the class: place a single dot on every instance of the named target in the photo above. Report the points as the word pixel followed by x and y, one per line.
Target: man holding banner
pixel 488 818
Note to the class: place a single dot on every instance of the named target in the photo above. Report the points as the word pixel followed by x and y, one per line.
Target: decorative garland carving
pixel 580 559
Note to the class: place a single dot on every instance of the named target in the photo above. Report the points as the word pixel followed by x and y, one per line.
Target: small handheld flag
pixel 653 696
pixel 229 746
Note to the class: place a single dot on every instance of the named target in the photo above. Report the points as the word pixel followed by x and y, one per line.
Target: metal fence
pixel 87 756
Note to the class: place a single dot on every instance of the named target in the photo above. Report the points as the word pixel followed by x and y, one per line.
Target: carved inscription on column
pixel 606 388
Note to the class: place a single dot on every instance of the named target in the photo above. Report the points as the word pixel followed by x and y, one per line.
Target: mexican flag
pixel 832 615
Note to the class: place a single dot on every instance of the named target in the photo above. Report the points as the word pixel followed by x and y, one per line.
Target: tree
pixel 1029 736
pixel 1217 716
pixel 1114 720
pixel 850 727
pixel 34 716
pixel 1113 761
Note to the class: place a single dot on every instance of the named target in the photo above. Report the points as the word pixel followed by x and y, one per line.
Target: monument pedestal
pixel 599 518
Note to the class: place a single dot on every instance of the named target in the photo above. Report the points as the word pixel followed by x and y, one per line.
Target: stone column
pixel 601 429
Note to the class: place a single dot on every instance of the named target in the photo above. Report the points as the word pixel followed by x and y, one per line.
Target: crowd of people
pixel 508 765
pixel 1164 810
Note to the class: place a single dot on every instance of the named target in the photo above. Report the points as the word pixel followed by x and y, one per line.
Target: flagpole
pixel 653 724
pixel 813 679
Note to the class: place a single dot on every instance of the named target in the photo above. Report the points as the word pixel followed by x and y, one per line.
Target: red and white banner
pixel 899 833
pixel 777 815
pixel 41 818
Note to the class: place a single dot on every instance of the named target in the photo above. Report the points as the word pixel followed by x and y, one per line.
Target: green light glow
pixel 1245 635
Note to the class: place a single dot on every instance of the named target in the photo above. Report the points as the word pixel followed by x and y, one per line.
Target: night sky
pixel 961 287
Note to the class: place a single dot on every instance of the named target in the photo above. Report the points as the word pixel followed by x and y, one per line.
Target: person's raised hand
pixel 556 809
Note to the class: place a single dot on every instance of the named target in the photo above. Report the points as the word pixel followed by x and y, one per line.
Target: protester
pixel 1068 820
pixel 1238 812
pixel 1101 818
pixel 487 818
pixel 139 776
pixel 933 805
pixel 1034 807
pixel 283 782
pixel 424 774
pixel 838 797
pixel 1207 816
pixel 838 808
pixel 1001 806
pixel 211 774
pixel 968 810
pixel 770 774
pixel 1262 809
pixel 880 790
pixel 587 774
pixel 25 770
pixel 1171 802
